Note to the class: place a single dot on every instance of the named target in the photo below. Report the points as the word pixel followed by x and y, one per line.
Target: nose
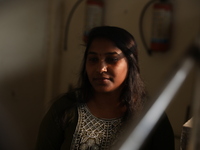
pixel 102 67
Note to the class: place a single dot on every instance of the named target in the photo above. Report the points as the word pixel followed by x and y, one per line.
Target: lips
pixel 101 80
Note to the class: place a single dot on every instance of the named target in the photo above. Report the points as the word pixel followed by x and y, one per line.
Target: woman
pixel 110 92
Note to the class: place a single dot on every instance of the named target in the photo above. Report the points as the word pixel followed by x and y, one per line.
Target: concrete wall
pixel 23 57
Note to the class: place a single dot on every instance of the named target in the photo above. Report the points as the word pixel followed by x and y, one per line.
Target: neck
pixel 106 105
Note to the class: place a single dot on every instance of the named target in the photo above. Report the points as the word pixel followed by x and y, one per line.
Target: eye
pixel 112 60
pixel 92 59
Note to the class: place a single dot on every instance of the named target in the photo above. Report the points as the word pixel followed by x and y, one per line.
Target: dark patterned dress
pixel 93 133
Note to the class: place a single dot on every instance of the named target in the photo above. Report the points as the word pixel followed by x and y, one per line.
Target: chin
pixel 104 90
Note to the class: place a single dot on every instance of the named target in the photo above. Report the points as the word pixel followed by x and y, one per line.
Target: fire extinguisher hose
pixel 149 51
pixel 68 22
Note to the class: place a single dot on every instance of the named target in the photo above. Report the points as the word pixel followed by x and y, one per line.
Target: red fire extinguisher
pixel 162 26
pixel 94 15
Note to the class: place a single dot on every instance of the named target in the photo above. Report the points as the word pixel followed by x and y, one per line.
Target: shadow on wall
pixel 23 57
pixel 21 108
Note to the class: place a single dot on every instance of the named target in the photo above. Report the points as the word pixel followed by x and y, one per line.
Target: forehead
pixel 102 46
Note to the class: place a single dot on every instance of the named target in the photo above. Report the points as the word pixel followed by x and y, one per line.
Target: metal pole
pixel 147 123
pixel 141 130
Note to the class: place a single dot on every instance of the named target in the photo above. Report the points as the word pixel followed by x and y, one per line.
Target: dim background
pixel 34 68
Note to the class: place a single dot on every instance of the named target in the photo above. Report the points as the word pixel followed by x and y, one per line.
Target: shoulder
pixel 67 100
pixel 51 133
pixel 63 109
pixel 63 104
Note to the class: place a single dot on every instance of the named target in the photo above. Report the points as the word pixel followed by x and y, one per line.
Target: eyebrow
pixel 109 53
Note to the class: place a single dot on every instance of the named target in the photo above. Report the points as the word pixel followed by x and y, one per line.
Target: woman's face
pixel 106 66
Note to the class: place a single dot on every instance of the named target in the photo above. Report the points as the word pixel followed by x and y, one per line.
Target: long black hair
pixel 133 93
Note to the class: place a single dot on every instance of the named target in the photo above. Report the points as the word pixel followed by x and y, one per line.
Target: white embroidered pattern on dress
pixel 93 133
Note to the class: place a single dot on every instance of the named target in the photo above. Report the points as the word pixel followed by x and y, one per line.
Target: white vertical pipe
pixel 54 52
pixel 194 143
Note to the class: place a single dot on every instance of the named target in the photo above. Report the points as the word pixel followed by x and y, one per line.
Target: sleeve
pixel 51 134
